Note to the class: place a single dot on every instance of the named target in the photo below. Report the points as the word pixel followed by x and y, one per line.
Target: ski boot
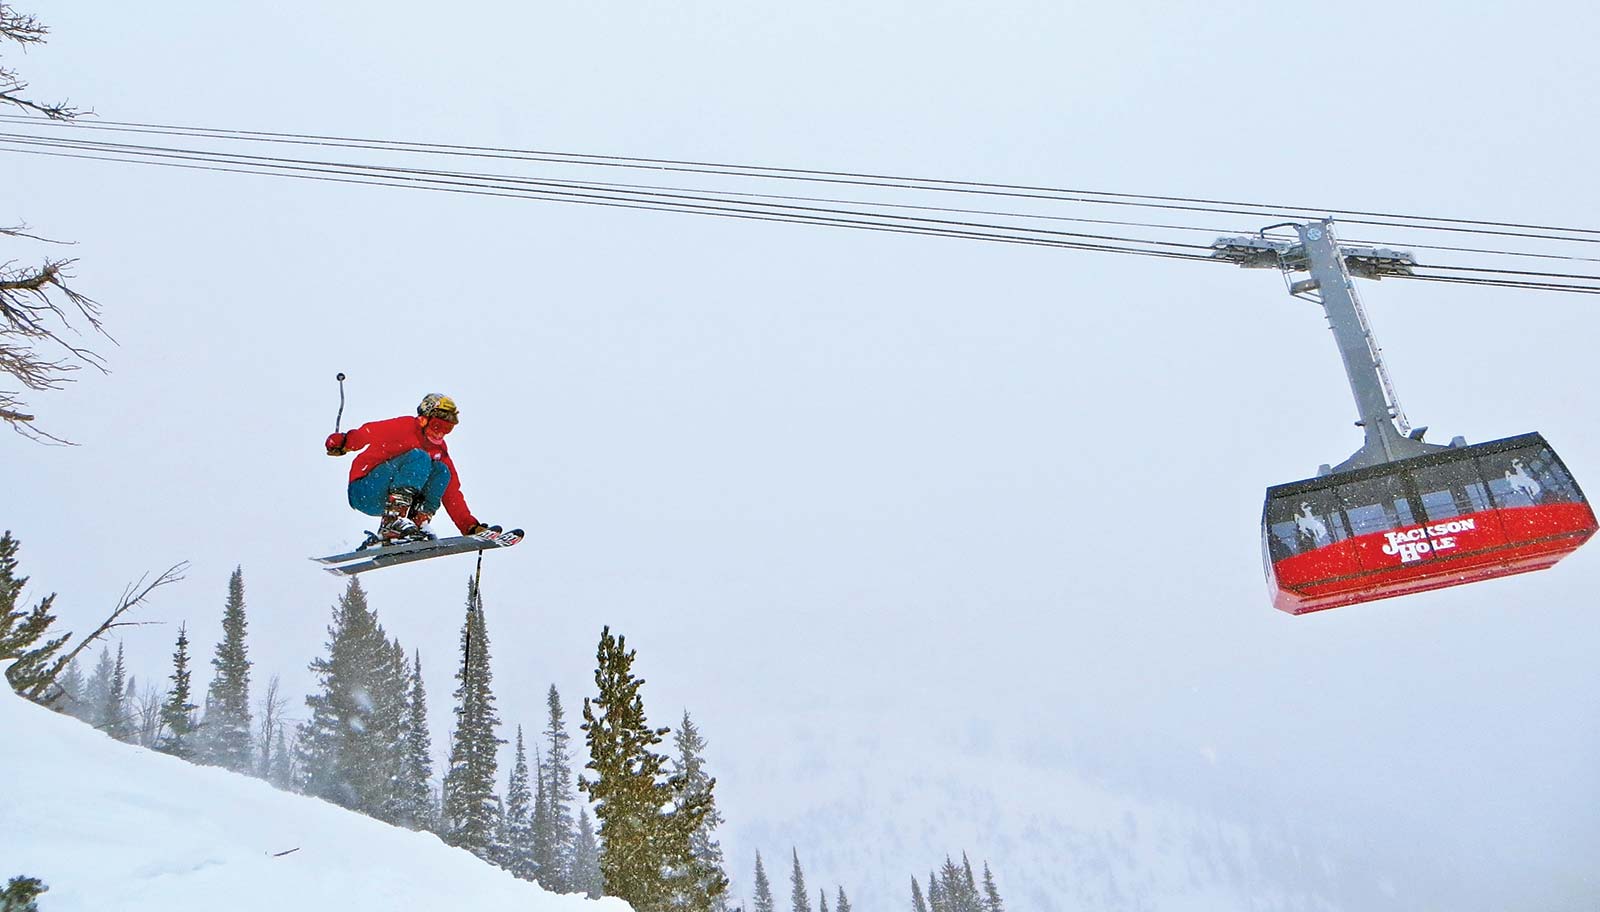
pixel 397 525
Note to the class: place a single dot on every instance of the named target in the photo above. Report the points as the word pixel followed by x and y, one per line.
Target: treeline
pixel 366 746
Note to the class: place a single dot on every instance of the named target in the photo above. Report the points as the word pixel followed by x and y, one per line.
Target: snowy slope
pixel 109 827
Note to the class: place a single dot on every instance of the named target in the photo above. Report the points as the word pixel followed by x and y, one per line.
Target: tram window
pixel 1298 523
pixel 1527 477
pixel 1376 504
pixel 1450 489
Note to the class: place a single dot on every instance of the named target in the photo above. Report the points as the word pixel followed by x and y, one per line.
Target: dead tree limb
pixel 133 595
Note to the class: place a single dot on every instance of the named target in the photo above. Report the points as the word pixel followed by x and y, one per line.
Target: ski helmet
pixel 438 405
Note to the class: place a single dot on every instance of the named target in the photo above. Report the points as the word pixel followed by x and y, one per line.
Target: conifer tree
pixel 337 753
pixel 844 904
pixel 227 742
pixel 280 772
pixel 469 799
pixel 584 874
pixel 416 758
pixel 799 900
pixel 544 861
pixel 94 692
pixel 391 679
pixel 991 895
pixel 22 632
pixel 518 838
pixel 709 874
pixel 21 894
pixel 72 684
pixel 113 718
pixel 177 713
pixel 645 820
pixel 918 904
pixel 936 898
pixel 822 900
pixel 555 778
pixel 764 901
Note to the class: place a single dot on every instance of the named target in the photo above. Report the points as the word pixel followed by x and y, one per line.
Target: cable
pixel 793 173
pixel 838 177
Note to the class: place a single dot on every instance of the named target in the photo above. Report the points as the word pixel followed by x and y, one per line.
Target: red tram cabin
pixel 1449 517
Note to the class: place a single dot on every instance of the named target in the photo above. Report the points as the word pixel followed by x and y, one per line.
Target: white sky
pixel 996 496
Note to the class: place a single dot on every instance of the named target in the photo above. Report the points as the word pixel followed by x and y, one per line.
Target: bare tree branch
pixel 37 304
pixel 134 594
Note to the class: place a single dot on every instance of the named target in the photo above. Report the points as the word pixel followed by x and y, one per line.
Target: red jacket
pixel 384 440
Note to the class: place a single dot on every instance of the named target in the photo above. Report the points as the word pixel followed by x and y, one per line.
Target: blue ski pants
pixel 411 469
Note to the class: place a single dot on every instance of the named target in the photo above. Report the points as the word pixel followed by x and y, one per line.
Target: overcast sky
pixel 964 492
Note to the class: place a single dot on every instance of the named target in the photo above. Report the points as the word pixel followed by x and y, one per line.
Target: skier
pixel 405 472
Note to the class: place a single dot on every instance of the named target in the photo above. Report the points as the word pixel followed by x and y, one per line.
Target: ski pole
pixel 339 417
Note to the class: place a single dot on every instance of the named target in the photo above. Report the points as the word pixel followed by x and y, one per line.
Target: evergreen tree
pixel 844 904
pixel 544 862
pixel 99 684
pixel 936 898
pixel 21 631
pixel 709 874
pixel 764 901
pixel 113 718
pixel 469 798
pixel 280 772
pixel 556 779
pixel 21 893
pixel 72 685
pixel 991 895
pixel 822 900
pixel 227 741
pixel 177 713
pixel 918 904
pixel 416 761
pixel 518 838
pixel 585 873
pixel 391 679
pixel 338 756
pixel 799 900
pixel 645 820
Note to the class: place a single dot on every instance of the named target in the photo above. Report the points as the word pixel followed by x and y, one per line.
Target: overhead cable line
pixel 532 186
pixel 1192 204
pixel 553 196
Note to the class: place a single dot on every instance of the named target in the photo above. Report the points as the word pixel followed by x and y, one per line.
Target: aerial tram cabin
pixel 1401 516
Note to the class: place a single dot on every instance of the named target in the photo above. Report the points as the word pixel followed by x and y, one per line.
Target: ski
pixel 354 562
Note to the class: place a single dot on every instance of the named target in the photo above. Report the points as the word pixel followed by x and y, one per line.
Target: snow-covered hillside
pixel 108 826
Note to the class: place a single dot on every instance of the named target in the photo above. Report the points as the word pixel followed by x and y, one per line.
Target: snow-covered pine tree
pixel 642 844
pixel 799 899
pixel 99 684
pixel 416 804
pixel 991 895
pixel 22 632
pixel 844 904
pixel 918 904
pixel 764 901
pixel 585 873
pixel 518 836
pixel 556 777
pixel 822 900
pixel 335 750
pixel 113 718
pixel 130 710
pixel 544 864
pixel 227 739
pixel 710 877
pixel 177 713
pixel 391 679
pixel 281 772
pixel 469 799
pixel 72 684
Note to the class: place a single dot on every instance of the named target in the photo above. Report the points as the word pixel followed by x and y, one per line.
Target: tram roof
pixel 1438 457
